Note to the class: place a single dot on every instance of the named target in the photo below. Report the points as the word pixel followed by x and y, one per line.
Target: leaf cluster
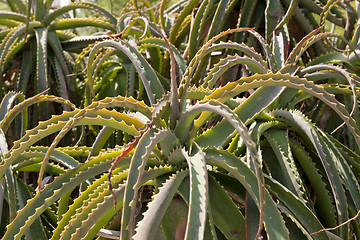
pixel 200 120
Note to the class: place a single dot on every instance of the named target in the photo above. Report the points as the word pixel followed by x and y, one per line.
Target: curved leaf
pixel 198 201
pixel 149 225
pixel 72 6
pixel 274 223
pixel 151 82
pixel 146 144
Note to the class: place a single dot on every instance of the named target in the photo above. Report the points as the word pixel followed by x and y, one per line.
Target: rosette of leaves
pixel 195 161
pixel 32 58
pixel 222 164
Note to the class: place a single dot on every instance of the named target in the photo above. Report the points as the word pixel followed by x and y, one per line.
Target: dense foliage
pixel 227 119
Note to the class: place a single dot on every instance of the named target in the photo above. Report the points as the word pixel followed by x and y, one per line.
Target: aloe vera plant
pixel 208 146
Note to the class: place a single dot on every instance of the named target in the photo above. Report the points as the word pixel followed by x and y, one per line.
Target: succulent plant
pixel 32 40
pixel 223 131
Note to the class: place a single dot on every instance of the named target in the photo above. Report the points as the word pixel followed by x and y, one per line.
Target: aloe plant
pixel 228 146
pixel 190 162
pixel 31 38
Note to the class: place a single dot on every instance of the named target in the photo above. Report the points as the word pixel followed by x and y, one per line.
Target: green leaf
pixel 8 101
pixel 232 89
pixel 226 63
pixel 198 200
pixel 97 199
pixel 227 217
pixel 100 140
pixel 246 111
pixel 149 225
pixel 36 230
pixel 42 66
pixel 13 16
pixel 273 14
pixel 17 6
pixel 63 24
pixel 198 25
pixel 274 224
pixel 345 171
pixel 56 155
pixel 280 41
pixel 157 42
pixel 288 14
pixel 174 220
pixel 35 167
pixel 147 142
pixel 92 191
pixel 76 5
pixel 62 65
pixel 151 82
pixel 279 142
pixel 303 214
pixel 56 189
pixel 56 123
pixel 218 15
pixel 22 108
pixel 323 204
pixel 10 40
pixel 297 120
pixel 184 13
pixel 102 214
